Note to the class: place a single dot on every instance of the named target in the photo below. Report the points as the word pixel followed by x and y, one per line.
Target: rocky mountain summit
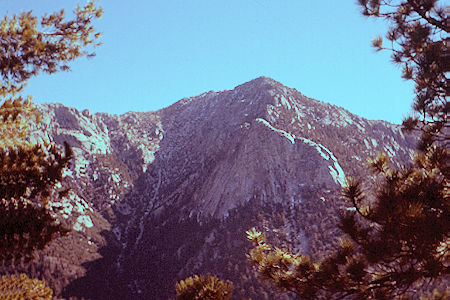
pixel 159 196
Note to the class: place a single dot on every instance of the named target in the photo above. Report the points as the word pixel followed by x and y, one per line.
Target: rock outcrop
pixel 173 191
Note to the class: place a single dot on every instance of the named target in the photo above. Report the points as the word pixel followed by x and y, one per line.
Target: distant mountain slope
pixel 173 191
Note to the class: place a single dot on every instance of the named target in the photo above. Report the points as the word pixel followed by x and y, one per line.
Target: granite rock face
pixel 172 192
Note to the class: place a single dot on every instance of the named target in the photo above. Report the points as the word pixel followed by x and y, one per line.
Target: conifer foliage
pixel 204 287
pixel 22 287
pixel 419 41
pixel 28 175
pixel 30 171
pixel 30 44
pixel 397 243
pixel 398 233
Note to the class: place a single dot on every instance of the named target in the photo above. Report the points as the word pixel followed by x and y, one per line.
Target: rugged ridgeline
pixel 159 196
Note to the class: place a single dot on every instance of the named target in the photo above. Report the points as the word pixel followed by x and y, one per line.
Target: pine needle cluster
pixel 204 287
pixel 22 287
pixel 30 44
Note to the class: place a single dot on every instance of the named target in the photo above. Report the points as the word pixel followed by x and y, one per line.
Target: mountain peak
pixel 261 81
pixel 266 79
pixel 183 184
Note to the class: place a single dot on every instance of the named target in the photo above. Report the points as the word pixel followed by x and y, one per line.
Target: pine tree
pixel 30 45
pixel 419 42
pixel 398 233
pixel 204 288
pixel 30 172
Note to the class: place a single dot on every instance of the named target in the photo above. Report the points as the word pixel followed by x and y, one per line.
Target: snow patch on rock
pixel 82 222
pixel 374 142
pixel 73 205
pixel 283 133
pixel 335 169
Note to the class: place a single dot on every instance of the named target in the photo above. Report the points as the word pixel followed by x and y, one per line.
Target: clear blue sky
pixel 156 52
